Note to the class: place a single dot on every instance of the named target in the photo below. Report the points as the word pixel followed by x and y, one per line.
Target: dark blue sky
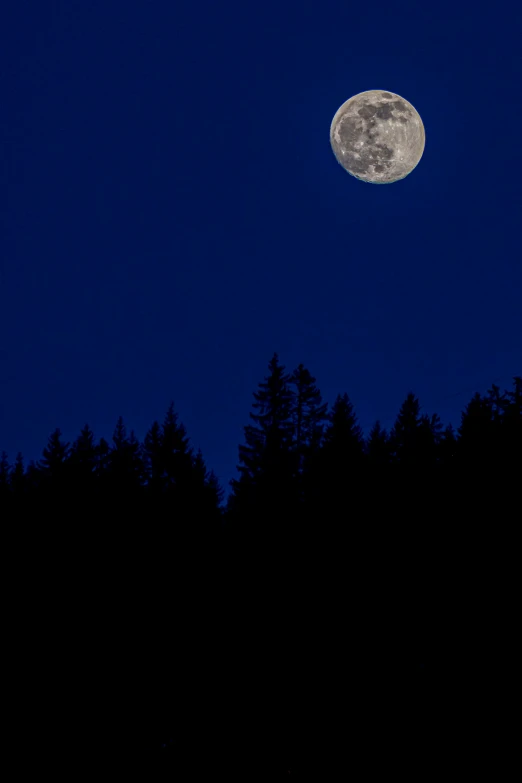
pixel 172 213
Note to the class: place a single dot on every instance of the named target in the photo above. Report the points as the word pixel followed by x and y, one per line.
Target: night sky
pixel 172 213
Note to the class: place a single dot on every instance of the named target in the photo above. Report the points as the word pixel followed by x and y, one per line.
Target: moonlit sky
pixel 172 213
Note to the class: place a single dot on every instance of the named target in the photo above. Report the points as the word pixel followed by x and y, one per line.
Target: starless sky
pixel 172 212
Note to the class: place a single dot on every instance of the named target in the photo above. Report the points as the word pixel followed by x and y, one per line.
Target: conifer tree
pixel 447 448
pixel 208 493
pixel 309 416
pixel 32 479
pixel 343 441
pixel 266 456
pixel 82 460
pixel 102 461
pixel 341 456
pixel 176 455
pixel 53 466
pixel 476 433
pixel 428 440
pixel 125 466
pixel 152 458
pixel 405 433
pixel 378 447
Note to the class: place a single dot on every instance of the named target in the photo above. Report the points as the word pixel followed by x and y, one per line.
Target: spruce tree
pixel 152 459
pixel 208 495
pixel 53 467
pixel 447 449
pixel 378 447
pixel 341 458
pixel 176 456
pixel 125 466
pixel 309 417
pixel 102 462
pixel 55 455
pixel 406 432
pixel 82 462
pixel 476 433
pixel 429 437
pixel 343 440
pixel 266 459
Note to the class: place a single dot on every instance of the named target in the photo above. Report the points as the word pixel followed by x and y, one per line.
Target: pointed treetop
pixel 55 454
pixel 119 436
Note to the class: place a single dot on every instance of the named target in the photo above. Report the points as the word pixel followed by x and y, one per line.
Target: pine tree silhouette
pixel 152 457
pixel 176 457
pixel 125 464
pixel 53 466
pixel 378 447
pixel 82 465
pixel 55 455
pixel 341 461
pixel 192 613
pixel 405 433
pixel 266 461
pixel 309 415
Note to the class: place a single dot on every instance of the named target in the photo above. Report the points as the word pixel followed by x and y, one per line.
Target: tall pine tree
pixel 82 463
pixel 54 467
pixel 265 486
pixel 309 416
pixel 125 465
pixel 342 460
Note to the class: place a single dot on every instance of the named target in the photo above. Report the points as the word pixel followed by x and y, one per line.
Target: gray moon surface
pixel 377 136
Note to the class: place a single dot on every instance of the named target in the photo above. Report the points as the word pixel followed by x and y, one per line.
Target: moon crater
pixel 377 137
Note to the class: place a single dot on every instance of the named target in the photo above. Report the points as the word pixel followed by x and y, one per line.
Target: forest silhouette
pixel 272 631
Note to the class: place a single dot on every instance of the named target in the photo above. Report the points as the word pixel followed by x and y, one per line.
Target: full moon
pixel 377 136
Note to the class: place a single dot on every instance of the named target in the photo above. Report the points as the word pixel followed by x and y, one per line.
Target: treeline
pixel 163 473
pixel 309 586
pixel 298 457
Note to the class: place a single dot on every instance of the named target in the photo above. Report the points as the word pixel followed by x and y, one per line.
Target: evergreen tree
pixel 343 441
pixel 447 448
pixel 176 456
pixel 309 417
pixel 53 467
pixel 102 463
pixel 135 461
pixel 378 447
pixel 266 464
pixel 33 479
pixel 406 432
pixel 377 468
pixel 152 459
pixel 429 437
pixel 125 466
pixel 341 457
pixel 55 454
pixel 82 461
pixel 476 433
pixel 208 495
